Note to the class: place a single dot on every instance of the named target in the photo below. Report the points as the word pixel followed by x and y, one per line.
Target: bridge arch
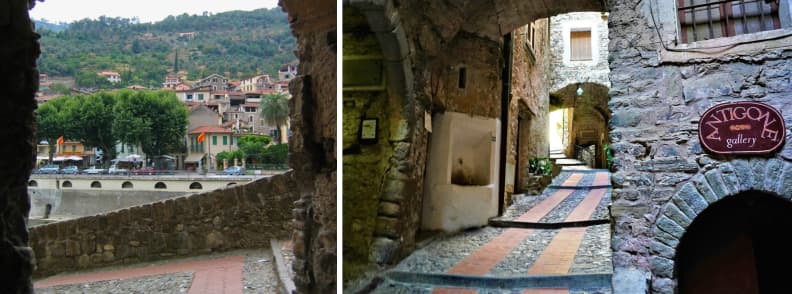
pixel 32 184
pixel 96 184
pixel 127 185
pixel 160 185
pixel 196 186
pixel 66 184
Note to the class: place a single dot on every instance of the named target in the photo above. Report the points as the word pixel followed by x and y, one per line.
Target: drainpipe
pixel 508 47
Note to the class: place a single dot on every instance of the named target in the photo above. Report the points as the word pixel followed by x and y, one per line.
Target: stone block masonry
pixel 663 177
pixel 244 216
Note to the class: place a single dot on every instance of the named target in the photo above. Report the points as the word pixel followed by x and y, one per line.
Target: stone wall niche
pixel 462 172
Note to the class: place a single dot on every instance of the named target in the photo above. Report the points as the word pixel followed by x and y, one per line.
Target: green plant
pixel 540 166
pixel 608 155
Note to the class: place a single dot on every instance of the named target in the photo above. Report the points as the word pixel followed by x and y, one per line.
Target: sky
pixel 146 10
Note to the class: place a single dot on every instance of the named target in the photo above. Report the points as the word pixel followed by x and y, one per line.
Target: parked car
pixel 234 170
pixel 72 170
pixel 115 170
pixel 94 171
pixel 49 169
pixel 144 171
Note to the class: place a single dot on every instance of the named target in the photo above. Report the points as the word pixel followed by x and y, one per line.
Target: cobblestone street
pixel 516 253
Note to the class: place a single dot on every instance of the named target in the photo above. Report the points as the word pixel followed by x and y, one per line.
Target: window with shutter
pixel 580 45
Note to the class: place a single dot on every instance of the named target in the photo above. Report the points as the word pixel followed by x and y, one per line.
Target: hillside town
pixel 221 110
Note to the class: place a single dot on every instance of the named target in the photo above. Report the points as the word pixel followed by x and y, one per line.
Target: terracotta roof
pixel 263 91
pixel 210 129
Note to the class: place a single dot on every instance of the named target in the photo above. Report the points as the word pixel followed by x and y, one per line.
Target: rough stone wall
pixel 383 180
pixel 19 49
pixel 365 165
pixel 530 70
pixel 312 147
pixel 243 216
pixel 567 72
pixel 657 98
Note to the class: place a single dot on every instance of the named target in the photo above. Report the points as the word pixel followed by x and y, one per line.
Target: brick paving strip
pixel 557 257
pixel 485 258
pixel 217 275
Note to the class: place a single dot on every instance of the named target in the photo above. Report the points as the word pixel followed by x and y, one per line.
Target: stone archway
pixel 736 245
pixel 378 86
pixel 589 118
pixel 770 176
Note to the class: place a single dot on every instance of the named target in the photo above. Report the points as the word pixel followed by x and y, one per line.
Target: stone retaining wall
pixel 244 216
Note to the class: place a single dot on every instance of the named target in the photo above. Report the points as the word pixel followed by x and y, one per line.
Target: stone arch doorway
pixel 588 116
pixel 736 245
pixel 736 193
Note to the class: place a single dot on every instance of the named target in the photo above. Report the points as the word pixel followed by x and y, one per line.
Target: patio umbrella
pixel 74 157
pixel 59 158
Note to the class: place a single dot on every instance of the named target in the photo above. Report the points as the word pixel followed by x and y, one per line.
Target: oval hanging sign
pixel 741 128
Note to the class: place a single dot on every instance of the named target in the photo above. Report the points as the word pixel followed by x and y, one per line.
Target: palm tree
pixel 275 111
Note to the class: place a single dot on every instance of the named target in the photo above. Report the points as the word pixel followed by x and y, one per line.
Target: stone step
pixel 569 161
pixel 408 282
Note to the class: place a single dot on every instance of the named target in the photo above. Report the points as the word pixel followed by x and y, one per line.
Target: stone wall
pixel 19 49
pixel 244 216
pixel 529 105
pixel 312 146
pixel 76 203
pixel 657 97
pixel 383 179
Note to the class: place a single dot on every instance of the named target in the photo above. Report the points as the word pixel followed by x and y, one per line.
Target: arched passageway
pixel 737 245
pixel 464 85
pixel 586 116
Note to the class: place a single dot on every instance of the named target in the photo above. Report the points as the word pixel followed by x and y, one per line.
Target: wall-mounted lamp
pixel 579 91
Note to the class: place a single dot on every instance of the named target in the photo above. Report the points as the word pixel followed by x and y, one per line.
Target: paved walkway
pixel 235 272
pixel 557 242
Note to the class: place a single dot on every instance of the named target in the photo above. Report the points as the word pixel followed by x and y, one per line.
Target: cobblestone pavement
pixel 241 271
pixel 573 256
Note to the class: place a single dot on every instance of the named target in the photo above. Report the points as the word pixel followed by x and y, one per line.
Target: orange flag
pixel 201 137
pixel 60 140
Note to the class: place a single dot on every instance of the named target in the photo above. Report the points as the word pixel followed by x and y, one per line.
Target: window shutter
pixel 580 45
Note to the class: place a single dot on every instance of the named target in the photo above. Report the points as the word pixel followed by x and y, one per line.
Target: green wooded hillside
pixel 237 44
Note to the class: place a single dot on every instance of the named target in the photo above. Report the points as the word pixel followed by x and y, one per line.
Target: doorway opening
pixel 736 245
pixel 558 128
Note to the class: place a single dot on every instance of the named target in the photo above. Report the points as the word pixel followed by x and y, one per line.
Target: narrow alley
pixel 556 242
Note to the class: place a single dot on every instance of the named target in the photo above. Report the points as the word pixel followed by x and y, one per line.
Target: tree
pixel 154 119
pixel 51 122
pixel 253 146
pixel 276 154
pixel 90 120
pixel 275 111
pixel 59 89
pixel 230 156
